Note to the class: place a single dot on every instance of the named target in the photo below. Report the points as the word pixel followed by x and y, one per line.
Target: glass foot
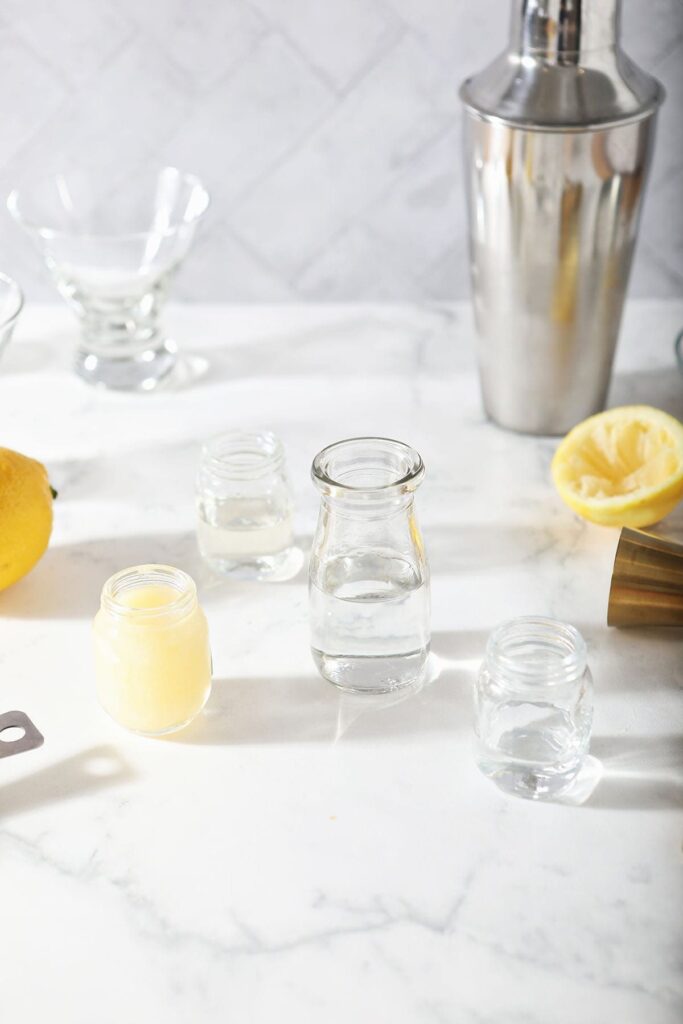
pixel 141 372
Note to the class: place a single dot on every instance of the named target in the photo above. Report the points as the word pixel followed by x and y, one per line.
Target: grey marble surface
pixel 328 132
pixel 298 854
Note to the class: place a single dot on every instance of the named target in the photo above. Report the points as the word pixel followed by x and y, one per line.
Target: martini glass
pixel 11 302
pixel 112 257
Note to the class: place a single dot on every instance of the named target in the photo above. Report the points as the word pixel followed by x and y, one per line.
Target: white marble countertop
pixel 300 855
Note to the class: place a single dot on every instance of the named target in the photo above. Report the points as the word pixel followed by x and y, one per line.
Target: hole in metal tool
pixel 11 733
pixel 17 734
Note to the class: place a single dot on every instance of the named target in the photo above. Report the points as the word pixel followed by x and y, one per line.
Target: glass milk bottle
pixel 244 507
pixel 368 575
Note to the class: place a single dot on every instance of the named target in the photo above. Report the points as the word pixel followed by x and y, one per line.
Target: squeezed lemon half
pixel 623 467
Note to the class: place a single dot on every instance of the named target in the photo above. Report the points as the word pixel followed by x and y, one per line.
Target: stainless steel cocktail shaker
pixel 559 132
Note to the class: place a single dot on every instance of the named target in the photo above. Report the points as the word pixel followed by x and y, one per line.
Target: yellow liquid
pixel 152 596
pixel 153 673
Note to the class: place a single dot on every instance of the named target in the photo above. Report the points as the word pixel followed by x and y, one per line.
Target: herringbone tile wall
pixel 326 130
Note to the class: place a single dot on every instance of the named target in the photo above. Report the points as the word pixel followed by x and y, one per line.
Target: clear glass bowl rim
pixel 125 236
pixel 18 303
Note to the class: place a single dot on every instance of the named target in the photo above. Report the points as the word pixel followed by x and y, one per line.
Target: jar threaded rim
pixel 536 650
pixel 151 574
pixel 242 455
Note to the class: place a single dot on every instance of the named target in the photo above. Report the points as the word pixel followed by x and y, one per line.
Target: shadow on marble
pixel 83 774
pixel 639 773
pixel 482 547
pixel 653 654
pixel 306 709
pixel 660 388
pixel 67 581
pixel 460 651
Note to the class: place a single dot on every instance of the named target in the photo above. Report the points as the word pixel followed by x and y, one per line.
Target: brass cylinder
pixel 647 581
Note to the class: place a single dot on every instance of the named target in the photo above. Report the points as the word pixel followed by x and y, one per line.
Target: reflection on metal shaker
pixel 559 132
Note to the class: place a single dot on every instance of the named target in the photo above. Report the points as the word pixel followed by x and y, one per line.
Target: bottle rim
pixel 243 455
pixel 371 466
pixel 536 651
pixel 151 574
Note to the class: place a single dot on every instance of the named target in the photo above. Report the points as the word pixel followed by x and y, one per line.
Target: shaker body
pixel 553 218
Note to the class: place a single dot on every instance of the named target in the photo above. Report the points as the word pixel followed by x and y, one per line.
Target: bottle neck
pixel 368 506
pixel 561 31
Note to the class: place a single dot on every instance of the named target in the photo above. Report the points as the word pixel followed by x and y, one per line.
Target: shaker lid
pixel 563 70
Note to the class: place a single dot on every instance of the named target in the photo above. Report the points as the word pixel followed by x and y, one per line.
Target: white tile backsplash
pixel 340 39
pixel 31 93
pixel 206 40
pixel 342 168
pixel 327 132
pixel 74 40
pixel 239 132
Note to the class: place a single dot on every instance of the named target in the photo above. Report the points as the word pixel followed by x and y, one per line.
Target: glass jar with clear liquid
pixel 533 707
pixel 368 574
pixel 244 507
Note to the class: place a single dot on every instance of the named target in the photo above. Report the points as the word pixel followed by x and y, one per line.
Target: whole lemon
pixel 25 515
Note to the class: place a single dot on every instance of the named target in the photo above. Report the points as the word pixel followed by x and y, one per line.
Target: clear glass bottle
pixel 533 707
pixel 368 575
pixel 245 507
pixel 152 655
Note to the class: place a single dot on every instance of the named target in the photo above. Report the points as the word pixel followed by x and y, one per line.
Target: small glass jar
pixel 368 576
pixel 245 507
pixel 533 707
pixel 152 656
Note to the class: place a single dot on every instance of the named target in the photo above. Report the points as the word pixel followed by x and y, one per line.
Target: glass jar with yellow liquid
pixel 152 655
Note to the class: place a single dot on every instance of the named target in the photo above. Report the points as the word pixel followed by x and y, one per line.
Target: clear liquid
pixel 370 622
pixel 244 536
pixel 533 749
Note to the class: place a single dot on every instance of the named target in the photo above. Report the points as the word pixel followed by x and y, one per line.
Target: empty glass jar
pixel 533 707
pixel 245 507
pixel 369 579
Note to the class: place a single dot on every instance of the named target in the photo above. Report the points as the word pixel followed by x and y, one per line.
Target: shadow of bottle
pixel 307 709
